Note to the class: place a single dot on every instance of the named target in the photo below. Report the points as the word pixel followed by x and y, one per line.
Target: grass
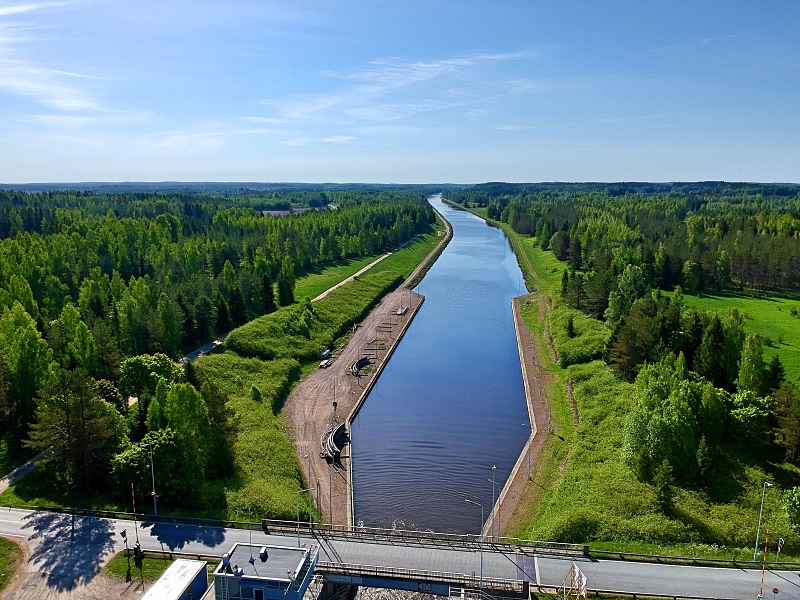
pixel 121 566
pixel 10 560
pixel 770 317
pixel 312 285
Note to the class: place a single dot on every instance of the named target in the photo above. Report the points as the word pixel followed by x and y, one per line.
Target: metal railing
pixel 458 579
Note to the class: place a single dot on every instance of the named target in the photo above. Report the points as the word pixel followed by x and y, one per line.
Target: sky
pixel 374 91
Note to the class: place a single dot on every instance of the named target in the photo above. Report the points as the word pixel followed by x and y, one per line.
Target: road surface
pixel 69 551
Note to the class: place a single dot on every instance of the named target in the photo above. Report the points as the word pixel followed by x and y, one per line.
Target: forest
pixel 704 401
pixel 102 293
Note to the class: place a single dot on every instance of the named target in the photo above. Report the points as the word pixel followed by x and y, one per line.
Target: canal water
pixel 450 403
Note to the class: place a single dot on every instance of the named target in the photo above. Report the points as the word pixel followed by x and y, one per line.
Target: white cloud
pixel 18 9
pixel 297 142
pixel 394 89
pixel 338 139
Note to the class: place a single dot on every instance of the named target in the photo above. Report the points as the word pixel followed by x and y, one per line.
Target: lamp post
pixel 297 503
pixel 494 468
pixel 760 513
pixel 480 584
pixel 499 528
pixel 530 427
pixel 153 476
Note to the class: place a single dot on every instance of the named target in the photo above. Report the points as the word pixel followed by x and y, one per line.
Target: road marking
pixel 536 569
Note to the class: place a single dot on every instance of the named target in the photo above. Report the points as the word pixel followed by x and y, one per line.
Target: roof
pixel 175 580
pixel 280 560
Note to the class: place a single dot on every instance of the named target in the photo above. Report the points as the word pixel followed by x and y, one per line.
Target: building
pixel 252 572
pixel 183 580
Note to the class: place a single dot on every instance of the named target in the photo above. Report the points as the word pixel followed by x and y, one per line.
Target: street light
pixel 760 512
pixel 529 426
pixel 480 584
pixel 153 475
pixel 494 468
pixel 499 528
pixel 297 503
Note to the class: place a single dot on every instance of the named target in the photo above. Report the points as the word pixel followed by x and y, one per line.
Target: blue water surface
pixel 450 403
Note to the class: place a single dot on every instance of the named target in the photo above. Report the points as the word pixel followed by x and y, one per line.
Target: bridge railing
pixel 459 579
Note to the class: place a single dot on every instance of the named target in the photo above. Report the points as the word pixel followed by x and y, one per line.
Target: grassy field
pixel 312 285
pixel 10 560
pixel 771 317
pixel 122 566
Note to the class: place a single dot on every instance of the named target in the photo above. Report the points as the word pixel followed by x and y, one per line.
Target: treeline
pixel 100 293
pixel 701 236
pixel 703 389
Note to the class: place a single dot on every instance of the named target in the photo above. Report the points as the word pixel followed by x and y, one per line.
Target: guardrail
pixel 501 585
pixel 695 561
pixel 422 538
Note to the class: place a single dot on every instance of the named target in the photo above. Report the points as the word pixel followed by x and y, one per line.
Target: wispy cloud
pixel 201 137
pixel 47 86
pixel 20 75
pixel 338 139
pixel 296 142
pixel 18 9
pixel 396 89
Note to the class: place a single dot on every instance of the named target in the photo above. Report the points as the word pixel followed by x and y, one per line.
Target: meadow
pixel 776 319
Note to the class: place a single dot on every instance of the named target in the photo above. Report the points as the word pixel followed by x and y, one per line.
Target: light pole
pixel 494 468
pixel 499 528
pixel 530 427
pixel 760 512
pixel 297 503
pixel 153 476
pixel 480 584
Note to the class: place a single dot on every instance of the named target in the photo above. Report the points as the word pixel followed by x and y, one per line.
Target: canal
pixel 450 404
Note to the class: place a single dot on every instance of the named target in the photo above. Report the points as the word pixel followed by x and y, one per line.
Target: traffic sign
pixel 775 590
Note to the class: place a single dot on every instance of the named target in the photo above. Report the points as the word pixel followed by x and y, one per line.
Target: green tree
pixel 186 413
pixel 286 282
pixel 664 482
pixel 791 503
pixel 709 360
pixel 751 366
pixel 787 411
pixel 750 417
pixel 175 474
pixel 170 325
pixel 691 276
pixel 704 461
pixel 83 430
pixel 28 360
pixel 156 419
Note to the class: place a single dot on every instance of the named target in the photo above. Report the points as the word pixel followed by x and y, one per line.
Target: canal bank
pixel 538 413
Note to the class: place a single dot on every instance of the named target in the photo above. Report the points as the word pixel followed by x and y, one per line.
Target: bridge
pixel 417 561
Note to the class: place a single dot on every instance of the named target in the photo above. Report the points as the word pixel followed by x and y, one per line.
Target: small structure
pixel 183 580
pixel 251 572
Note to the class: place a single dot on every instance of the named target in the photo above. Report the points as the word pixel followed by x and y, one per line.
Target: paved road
pixel 70 550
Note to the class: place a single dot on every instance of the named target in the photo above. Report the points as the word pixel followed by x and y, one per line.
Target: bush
pixel 588 337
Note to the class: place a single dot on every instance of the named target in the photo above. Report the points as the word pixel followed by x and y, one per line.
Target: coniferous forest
pixel 101 293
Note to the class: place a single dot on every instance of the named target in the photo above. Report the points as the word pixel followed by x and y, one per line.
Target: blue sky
pixel 403 91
